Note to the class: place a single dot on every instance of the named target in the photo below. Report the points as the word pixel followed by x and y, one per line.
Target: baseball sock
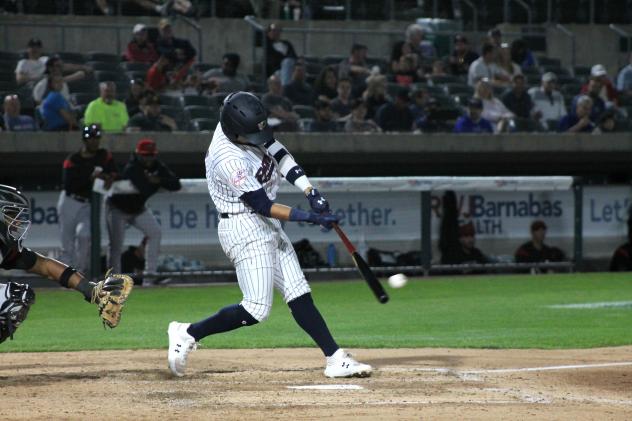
pixel 309 319
pixel 228 318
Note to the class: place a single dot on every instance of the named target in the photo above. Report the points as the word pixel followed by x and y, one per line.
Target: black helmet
pixel 15 216
pixel 92 131
pixel 244 115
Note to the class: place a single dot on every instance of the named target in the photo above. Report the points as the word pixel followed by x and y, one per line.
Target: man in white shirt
pixel 548 103
pixel 31 69
pixel 484 67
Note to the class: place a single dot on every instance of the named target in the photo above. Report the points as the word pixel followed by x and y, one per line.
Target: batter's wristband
pixel 65 276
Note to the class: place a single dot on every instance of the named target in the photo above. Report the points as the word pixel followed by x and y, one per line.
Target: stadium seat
pixel 197 111
pixel 103 66
pixel 440 80
pixel 204 124
pixel 136 74
pixel 333 60
pixel 571 89
pixel 134 67
pixel 558 70
pixel 177 114
pixel 82 98
pixel 83 86
pixel 304 111
pixel 106 76
pixel 314 68
pixel 200 100
pixel 71 57
pixel 171 101
pixel 217 99
pixel 99 56
pixel 9 56
pixel 534 80
pixel 549 61
pixel 581 72
pixel 458 89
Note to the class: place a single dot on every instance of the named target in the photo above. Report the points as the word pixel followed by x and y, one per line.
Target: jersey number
pixel 264 173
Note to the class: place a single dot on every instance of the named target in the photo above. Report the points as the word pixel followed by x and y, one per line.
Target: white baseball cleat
pixel 342 364
pixel 180 345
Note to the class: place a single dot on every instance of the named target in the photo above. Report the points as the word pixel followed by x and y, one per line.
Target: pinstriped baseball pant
pixel 264 258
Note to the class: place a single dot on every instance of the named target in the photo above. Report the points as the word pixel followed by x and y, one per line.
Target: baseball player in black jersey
pixel 80 170
pixel 147 174
pixel 15 299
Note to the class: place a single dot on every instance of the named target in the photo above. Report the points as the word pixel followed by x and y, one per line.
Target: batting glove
pixel 317 202
pixel 325 220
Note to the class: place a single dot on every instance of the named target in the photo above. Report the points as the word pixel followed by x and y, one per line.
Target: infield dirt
pixel 253 384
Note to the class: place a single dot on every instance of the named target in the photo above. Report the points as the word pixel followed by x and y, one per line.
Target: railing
pixel 623 35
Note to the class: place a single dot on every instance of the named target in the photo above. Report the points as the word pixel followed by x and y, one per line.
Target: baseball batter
pixel 244 166
pixel 15 299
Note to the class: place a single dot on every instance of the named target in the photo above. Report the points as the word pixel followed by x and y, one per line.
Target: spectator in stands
pixel 298 90
pixel 159 75
pixel 179 49
pixel 280 54
pixel 606 123
pixel 508 67
pixel 408 72
pixel 621 260
pixel 423 48
pixel 341 105
pixel 431 121
pixel 418 97
pixel 516 99
pixel 324 121
pixel 472 122
pixel 280 115
pixel 31 69
pixel 53 67
pixel 226 78
pixel 400 50
pixel 375 94
pixel 599 85
pixel 548 103
pixel 13 121
pixel 355 69
pixel 150 119
pixel 485 67
pixel 140 49
pixel 438 69
pixel 592 89
pixel 624 79
pixel 465 252
pixel 136 92
pixel 521 54
pixel 325 86
pixel 578 121
pixel 494 110
pixel 357 121
pixel 55 110
pixel 535 251
pixel 396 116
pixel 107 111
pixel 461 57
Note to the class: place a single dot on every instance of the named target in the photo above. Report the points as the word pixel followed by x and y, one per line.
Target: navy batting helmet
pixel 244 115
pixel 15 216
pixel 92 131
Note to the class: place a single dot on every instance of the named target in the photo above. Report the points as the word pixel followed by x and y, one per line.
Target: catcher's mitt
pixel 109 295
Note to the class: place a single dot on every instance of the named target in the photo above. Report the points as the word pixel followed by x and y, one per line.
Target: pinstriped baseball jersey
pixel 234 169
pixel 261 252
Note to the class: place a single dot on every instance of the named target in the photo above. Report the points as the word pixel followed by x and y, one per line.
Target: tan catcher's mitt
pixel 109 295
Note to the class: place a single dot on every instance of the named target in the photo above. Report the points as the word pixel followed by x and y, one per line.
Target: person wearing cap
pixel 80 170
pixel 580 119
pixel 624 78
pixel 471 121
pixel 106 110
pixel 465 252
pixel 140 49
pixel 147 174
pixel 13 120
pixel 599 85
pixel 548 102
pixel 32 68
pixel 461 57
pixel 535 251
pixel 516 99
pixel 150 119
pixel 396 116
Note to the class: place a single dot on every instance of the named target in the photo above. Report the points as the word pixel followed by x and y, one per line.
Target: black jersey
pixel 12 258
pixel 77 172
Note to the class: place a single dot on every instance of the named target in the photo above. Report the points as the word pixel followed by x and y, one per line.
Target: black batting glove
pixel 317 202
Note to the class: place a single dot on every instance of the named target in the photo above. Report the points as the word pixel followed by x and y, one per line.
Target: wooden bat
pixel 363 267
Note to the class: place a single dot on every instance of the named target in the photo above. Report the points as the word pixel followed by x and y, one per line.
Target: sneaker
pixel 342 364
pixel 180 345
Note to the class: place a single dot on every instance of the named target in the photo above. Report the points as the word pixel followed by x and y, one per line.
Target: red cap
pixel 146 147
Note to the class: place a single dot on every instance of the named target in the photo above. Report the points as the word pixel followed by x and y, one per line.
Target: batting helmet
pixel 244 115
pixel 93 131
pixel 15 216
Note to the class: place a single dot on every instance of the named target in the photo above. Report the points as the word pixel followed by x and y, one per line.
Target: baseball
pixel 397 281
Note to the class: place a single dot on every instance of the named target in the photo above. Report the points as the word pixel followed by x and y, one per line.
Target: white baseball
pixel 397 281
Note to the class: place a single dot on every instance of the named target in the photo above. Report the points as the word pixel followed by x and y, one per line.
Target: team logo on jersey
pixel 238 177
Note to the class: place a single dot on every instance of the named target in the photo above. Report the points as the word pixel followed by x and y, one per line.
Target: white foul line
pixel 328 387
pixel 506 370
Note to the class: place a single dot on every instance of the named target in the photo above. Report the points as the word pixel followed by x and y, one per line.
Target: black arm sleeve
pixel 136 174
pixel 168 180
pixel 23 260
pixel 259 201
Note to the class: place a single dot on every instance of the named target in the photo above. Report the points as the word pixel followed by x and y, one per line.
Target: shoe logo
pixel 177 350
pixel 345 365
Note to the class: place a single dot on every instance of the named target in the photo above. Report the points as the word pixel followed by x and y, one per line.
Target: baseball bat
pixel 363 267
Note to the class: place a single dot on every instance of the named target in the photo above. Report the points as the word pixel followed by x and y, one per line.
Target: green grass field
pixel 479 312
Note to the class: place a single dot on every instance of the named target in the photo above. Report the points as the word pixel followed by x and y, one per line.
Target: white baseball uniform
pixel 257 246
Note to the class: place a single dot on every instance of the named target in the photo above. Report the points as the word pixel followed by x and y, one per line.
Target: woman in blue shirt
pixel 55 110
